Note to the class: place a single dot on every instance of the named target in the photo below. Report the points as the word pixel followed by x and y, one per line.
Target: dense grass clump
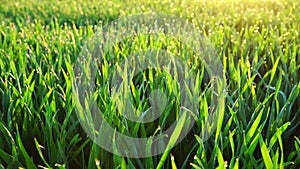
pixel 257 41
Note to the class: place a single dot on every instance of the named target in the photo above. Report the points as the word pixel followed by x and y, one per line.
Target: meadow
pixel 257 42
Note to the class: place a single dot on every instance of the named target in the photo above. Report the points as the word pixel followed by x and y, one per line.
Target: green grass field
pixel 257 41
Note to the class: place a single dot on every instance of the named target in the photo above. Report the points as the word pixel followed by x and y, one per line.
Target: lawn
pixel 246 117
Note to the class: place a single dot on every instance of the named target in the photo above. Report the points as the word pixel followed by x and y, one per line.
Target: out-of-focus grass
pixel 258 42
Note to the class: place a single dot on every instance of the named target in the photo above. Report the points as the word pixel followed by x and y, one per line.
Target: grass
pixel 257 42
